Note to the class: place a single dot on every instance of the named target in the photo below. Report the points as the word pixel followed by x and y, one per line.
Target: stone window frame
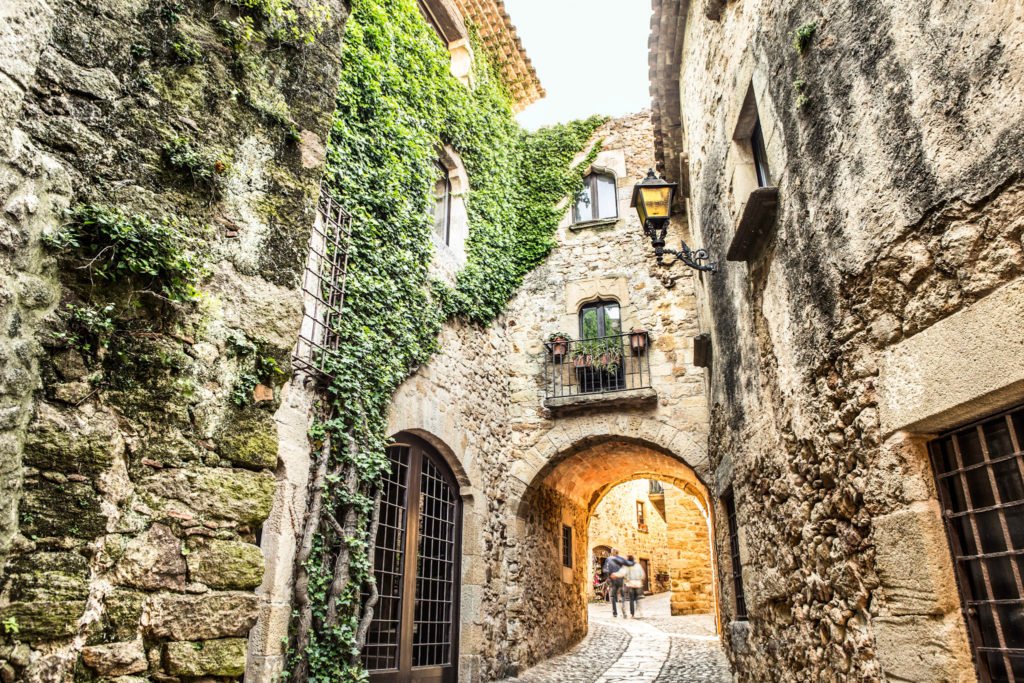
pixel 448 23
pixel 960 370
pixel 452 252
pixel 641 516
pixel 610 162
pixel 755 177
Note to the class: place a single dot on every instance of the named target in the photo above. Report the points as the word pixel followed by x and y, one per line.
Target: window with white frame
pixel 597 200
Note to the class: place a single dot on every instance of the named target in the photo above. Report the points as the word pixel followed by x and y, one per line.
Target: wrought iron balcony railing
pixel 577 367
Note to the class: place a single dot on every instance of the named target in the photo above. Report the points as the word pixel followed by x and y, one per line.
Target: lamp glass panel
pixel 656 201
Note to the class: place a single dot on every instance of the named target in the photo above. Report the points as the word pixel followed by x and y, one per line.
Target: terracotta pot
pixel 638 341
pixel 558 347
pixel 582 361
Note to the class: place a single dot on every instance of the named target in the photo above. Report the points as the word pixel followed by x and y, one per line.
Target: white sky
pixel 590 55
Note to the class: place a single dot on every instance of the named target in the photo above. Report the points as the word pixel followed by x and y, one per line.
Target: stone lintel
pixel 959 369
pixel 618 399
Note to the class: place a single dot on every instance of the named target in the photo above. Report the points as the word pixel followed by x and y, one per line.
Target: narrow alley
pixel 655 648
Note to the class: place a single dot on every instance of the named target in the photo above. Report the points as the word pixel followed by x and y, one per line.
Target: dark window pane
pixel 997 438
pixel 970 448
pixel 1000 575
pixel 980 487
pixel 1008 480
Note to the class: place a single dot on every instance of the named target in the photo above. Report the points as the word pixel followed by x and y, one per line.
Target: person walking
pixel 634 585
pixel 615 567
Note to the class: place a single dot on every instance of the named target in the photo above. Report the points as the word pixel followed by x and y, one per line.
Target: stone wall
pixel 893 138
pixel 691 569
pixel 136 471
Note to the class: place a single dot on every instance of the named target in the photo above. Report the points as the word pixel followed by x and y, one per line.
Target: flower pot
pixel 638 341
pixel 582 361
pixel 558 346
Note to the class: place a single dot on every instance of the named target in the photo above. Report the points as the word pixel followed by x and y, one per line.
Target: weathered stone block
pixel 913 561
pixel 226 564
pixel 152 561
pixel 44 620
pixel 49 576
pixel 116 659
pixel 69 508
pixel 123 612
pixel 250 440
pixel 55 442
pixel 218 492
pixel 211 615
pixel 206 658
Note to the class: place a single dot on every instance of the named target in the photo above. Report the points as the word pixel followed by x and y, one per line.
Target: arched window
pixel 600 319
pixel 597 200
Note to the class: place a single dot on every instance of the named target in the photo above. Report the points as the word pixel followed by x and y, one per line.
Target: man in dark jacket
pixel 614 563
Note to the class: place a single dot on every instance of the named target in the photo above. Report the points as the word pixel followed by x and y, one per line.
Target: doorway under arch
pixel 564 493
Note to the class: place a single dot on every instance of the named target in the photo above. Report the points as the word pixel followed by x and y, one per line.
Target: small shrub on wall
pixel 397 105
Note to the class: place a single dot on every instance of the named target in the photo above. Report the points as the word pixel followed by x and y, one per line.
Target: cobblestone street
pixel 654 648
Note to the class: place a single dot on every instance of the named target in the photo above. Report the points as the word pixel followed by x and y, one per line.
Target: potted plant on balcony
pixel 558 345
pixel 605 353
pixel 638 340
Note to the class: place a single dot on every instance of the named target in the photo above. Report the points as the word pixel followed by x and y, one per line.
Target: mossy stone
pixel 250 439
pixel 47 576
pixel 226 565
pixel 69 508
pixel 219 492
pixel 44 620
pixel 54 447
pixel 206 657
pixel 123 612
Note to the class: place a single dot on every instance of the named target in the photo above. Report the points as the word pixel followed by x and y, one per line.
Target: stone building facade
pixel 532 467
pixel 855 169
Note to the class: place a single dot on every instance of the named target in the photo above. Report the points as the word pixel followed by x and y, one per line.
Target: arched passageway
pixel 556 553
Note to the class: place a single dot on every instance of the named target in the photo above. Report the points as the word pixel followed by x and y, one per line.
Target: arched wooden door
pixel 415 631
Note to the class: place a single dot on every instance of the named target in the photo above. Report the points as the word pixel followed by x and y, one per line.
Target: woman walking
pixel 634 585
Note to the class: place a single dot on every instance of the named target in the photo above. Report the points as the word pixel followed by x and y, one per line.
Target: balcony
pixel 601 372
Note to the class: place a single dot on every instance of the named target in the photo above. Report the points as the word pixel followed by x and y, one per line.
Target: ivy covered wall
pixel 397 104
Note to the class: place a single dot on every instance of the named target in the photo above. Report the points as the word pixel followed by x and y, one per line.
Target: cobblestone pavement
pixel 654 648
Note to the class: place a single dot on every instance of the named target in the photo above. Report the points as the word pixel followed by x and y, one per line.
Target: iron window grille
pixel 734 556
pixel 567 546
pixel 655 487
pixel 323 286
pixel 979 473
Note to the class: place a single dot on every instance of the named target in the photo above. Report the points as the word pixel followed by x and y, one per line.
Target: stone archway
pixel 564 479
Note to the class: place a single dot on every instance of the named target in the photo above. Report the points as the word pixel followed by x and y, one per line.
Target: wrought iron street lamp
pixel 652 198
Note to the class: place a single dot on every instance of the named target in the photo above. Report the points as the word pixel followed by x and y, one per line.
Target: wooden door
pixel 416 555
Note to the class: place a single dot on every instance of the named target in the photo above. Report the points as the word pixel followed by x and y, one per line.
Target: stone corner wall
pixel 137 468
pixel 890 140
